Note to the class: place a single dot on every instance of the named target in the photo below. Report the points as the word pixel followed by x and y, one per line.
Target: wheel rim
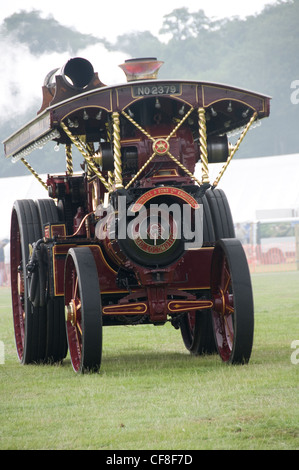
pixel 232 311
pixel 17 287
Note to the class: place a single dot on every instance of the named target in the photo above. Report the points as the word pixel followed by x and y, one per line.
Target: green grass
pixel 151 394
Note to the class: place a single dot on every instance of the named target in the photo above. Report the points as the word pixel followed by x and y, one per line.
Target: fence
pixel 282 257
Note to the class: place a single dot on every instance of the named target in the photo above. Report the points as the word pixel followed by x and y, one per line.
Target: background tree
pixel 258 53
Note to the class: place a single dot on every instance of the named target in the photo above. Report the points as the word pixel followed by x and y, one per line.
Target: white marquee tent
pixel 250 185
pixel 260 184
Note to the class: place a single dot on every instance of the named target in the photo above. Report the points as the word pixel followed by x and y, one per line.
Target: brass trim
pixel 69 159
pixel 203 145
pixel 80 146
pixel 117 151
pixel 172 133
pixel 34 173
pixel 200 305
pixel 136 305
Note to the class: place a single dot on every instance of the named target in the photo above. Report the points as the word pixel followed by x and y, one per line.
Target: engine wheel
pixel 231 293
pixel 196 327
pixel 221 214
pixel 83 310
pixel 29 321
pixel 56 349
pixel 197 332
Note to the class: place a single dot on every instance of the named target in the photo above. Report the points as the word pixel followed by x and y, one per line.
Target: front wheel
pixel 83 310
pixel 29 321
pixel 231 293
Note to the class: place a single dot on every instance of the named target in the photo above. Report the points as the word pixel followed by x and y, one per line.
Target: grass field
pixel 151 394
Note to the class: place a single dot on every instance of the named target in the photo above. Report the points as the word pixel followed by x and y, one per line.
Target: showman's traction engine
pixel 140 235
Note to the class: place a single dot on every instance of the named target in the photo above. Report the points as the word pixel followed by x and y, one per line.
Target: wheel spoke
pixel 79 329
pixel 78 333
pixel 75 289
pixel 228 278
pixel 230 309
pixel 229 329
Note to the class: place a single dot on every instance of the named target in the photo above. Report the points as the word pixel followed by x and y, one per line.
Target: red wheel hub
pixel 160 146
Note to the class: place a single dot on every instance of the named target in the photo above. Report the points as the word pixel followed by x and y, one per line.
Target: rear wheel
pixel 221 214
pixel 196 327
pixel 83 310
pixel 231 293
pixel 56 349
pixel 197 332
pixel 29 321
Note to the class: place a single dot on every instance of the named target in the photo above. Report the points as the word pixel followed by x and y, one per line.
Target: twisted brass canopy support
pixel 140 171
pixel 203 145
pixel 118 179
pixel 235 148
pixel 85 154
pixel 138 126
pixel 180 123
pixel 193 177
pixel 69 159
pixel 34 173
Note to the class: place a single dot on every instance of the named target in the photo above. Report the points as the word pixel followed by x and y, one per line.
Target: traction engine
pixel 141 235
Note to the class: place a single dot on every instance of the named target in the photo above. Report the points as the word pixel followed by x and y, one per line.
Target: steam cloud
pixel 22 74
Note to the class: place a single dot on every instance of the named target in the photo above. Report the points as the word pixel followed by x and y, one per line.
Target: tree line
pixel 259 53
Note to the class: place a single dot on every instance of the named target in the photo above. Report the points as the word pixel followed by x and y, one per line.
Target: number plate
pixel 156 90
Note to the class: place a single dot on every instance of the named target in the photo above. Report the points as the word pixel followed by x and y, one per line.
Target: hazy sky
pixel 22 74
pixel 109 19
